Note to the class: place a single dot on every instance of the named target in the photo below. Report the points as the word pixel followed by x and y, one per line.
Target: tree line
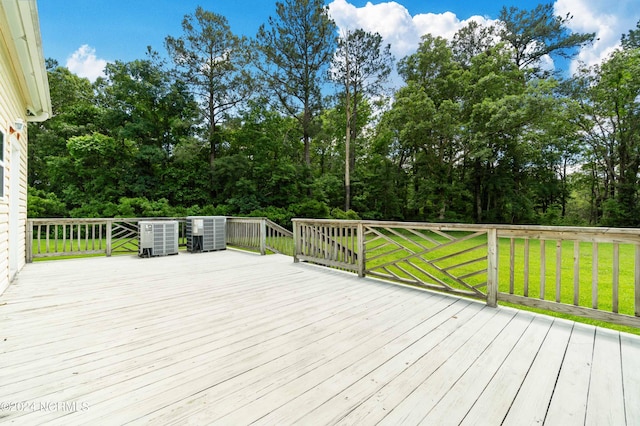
pixel 302 121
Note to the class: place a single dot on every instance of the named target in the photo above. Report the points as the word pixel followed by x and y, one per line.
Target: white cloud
pixel 85 63
pixel 609 20
pixel 396 25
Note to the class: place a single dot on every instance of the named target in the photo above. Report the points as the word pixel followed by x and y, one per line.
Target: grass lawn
pixel 59 247
pixel 467 262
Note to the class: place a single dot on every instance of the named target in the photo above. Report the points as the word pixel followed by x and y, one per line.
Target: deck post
pixel 263 236
pixel 492 267
pixel 296 242
pixel 29 242
pixel 361 250
pixel 109 230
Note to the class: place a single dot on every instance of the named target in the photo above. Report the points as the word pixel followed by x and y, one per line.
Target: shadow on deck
pixel 233 338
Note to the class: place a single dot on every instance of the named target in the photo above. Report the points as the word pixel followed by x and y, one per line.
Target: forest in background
pixel 304 121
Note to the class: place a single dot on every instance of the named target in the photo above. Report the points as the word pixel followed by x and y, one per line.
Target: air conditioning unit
pixel 158 238
pixel 206 233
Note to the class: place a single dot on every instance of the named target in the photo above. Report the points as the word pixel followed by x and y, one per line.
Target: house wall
pixel 14 148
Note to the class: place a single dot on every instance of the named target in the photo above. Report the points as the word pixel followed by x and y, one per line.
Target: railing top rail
pixel 61 220
pixel 246 219
pixel 522 229
pixel 277 227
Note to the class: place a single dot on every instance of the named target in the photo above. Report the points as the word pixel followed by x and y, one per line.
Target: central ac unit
pixel 158 238
pixel 206 233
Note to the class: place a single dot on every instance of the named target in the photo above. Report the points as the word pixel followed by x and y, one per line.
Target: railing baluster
pixel 39 239
pixel 361 250
pixel 637 281
pixel 594 277
pixel 543 268
pixel 616 277
pixel 526 267
pixel 558 270
pixel 576 273
pixel 492 267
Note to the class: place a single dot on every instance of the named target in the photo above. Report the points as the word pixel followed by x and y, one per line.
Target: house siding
pixel 11 108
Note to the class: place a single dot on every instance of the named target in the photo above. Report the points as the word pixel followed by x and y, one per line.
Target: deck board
pixel 532 400
pixel 496 398
pixel 234 338
pixel 631 376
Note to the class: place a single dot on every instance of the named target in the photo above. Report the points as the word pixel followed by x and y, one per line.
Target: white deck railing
pixel 48 238
pixel 590 272
pixel 259 234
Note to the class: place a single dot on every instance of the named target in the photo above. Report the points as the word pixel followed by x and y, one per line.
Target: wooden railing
pixel 590 272
pixel 48 238
pixel 259 234
pixel 79 237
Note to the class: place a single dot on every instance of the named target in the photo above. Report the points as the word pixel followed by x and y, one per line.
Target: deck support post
pixel 492 267
pixel 29 242
pixel 109 231
pixel 296 241
pixel 263 236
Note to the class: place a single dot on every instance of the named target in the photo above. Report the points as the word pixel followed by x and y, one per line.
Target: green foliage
pixel 44 204
pixel 338 213
pixel 310 209
pixel 279 215
pixel 631 40
pixel 533 34
pixel 478 132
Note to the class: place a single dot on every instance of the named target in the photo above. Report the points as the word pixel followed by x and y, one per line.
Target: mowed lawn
pixel 470 254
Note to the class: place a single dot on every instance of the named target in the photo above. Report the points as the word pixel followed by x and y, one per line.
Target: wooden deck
pixel 234 338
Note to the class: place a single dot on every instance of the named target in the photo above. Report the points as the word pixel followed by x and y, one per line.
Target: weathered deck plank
pixel 233 338
pixel 495 400
pixel 631 377
pixel 532 401
pixel 569 401
pixel 605 405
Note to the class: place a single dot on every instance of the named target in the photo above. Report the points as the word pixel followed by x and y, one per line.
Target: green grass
pixel 284 244
pixel 59 248
pixel 626 303
pixel 604 273
pixel 380 255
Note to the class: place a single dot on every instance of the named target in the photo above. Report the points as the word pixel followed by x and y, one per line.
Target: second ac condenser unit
pixel 158 238
pixel 206 233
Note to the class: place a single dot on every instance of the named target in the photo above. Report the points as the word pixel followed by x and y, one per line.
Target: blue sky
pixel 83 35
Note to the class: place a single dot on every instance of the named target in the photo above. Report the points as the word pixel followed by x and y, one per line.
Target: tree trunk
pixel 347 143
